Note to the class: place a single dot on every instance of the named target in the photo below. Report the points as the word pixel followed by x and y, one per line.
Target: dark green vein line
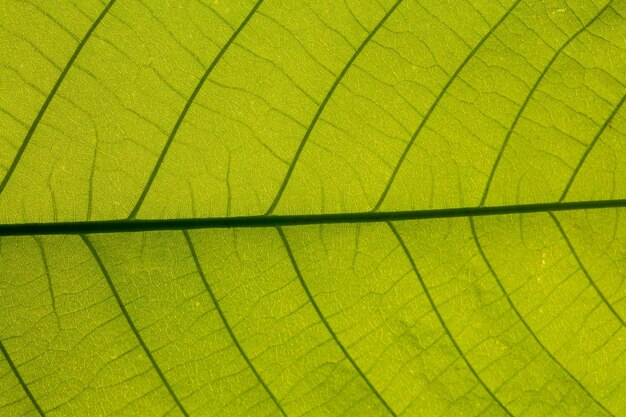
pixel 590 147
pixel 44 259
pixel 524 323
pixel 436 104
pixel 130 322
pixel 330 330
pixel 125 226
pixel 185 110
pixel 21 380
pixel 530 95
pixel 55 88
pixel 243 354
pixel 441 320
pixel 584 270
pixel 322 106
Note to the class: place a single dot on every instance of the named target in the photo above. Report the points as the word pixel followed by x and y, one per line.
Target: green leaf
pixel 405 208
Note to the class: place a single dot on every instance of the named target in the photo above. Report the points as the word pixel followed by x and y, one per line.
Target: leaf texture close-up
pixel 313 208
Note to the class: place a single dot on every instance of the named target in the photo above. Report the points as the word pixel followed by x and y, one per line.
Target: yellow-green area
pixel 131 110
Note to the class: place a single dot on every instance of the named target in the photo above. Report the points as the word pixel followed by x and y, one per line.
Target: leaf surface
pixel 404 208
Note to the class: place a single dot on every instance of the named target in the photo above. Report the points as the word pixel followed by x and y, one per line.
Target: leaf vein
pixel 44 259
pixel 55 88
pixel 228 327
pixel 442 321
pixel 436 104
pixel 530 95
pixel 330 330
pixel 583 269
pixel 606 124
pixel 185 110
pixel 132 225
pixel 130 322
pixel 322 106
pixel 23 384
pixel 483 255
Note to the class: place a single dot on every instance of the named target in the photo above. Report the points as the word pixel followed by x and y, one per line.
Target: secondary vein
pixel 322 106
pixel 442 321
pixel 228 327
pixel 17 374
pixel 185 110
pixel 582 160
pixel 584 270
pixel 532 333
pixel 330 330
pixel 531 94
pixel 55 88
pixel 435 104
pixel 130 322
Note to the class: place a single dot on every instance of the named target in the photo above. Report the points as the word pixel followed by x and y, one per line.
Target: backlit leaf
pixel 236 208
